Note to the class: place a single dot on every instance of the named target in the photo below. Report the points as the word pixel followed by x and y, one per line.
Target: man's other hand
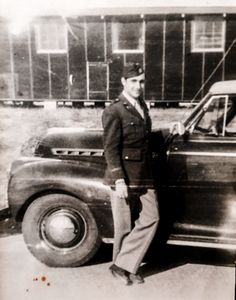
pixel 177 128
pixel 121 188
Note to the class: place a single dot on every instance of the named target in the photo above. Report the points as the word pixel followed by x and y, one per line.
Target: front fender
pixel 80 179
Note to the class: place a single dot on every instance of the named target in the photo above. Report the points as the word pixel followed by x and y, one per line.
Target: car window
pixel 212 120
pixel 230 122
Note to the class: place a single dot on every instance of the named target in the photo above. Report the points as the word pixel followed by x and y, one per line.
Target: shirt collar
pixel 129 98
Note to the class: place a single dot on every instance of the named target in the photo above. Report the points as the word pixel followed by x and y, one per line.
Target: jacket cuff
pixel 121 180
pixel 117 173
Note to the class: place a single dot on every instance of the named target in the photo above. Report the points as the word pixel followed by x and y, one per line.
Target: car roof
pixel 223 87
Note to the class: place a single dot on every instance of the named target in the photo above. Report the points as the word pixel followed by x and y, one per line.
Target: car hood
pixel 74 142
pixel 61 141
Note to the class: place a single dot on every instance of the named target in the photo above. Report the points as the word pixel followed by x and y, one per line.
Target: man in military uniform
pixel 127 126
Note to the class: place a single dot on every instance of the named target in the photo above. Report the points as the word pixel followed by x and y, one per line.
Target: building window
pixel 128 37
pixel 207 35
pixel 51 36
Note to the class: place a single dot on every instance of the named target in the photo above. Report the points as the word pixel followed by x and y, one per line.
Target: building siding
pixel 154 54
pixel 230 61
pixel 174 50
pixel 173 72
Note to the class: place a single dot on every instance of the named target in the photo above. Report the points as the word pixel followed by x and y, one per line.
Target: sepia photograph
pixel 117 150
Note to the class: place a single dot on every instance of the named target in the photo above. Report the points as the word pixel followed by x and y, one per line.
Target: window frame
pixel 38 38
pixel 115 39
pixel 195 48
pixel 205 110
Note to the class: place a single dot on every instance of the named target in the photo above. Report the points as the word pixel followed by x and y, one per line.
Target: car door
pixel 201 176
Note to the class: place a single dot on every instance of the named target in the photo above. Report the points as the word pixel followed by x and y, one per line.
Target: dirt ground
pixel 20 129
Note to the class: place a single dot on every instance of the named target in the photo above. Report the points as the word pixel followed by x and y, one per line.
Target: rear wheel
pixel 60 231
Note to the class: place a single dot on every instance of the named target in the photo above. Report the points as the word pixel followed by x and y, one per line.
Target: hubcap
pixel 64 228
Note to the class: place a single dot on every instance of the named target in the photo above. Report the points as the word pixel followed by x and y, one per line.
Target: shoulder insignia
pixel 115 101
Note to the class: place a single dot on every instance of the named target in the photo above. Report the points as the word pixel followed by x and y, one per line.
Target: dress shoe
pixel 136 278
pixel 120 274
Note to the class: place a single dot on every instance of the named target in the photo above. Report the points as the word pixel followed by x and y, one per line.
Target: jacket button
pixel 126 157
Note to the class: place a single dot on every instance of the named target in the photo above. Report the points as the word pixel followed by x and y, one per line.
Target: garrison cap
pixel 132 70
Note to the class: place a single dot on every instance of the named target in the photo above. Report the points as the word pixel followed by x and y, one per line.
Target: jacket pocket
pixel 132 154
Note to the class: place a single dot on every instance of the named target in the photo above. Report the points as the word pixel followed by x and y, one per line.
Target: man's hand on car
pixel 177 128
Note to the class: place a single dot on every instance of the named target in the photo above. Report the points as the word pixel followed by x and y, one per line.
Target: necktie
pixel 139 108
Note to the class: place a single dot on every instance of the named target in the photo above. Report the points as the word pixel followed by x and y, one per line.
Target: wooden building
pixel 80 58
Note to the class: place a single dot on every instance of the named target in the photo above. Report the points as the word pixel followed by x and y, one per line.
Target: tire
pixel 60 231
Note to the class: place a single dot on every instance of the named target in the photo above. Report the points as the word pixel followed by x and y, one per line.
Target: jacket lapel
pixel 131 108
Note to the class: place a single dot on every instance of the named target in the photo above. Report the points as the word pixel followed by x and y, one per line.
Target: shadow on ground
pixel 7 224
pixel 164 258
pixel 169 257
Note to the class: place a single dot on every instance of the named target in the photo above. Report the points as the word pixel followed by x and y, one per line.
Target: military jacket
pixel 126 143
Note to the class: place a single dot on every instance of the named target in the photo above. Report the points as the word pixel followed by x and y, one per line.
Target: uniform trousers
pixel 132 242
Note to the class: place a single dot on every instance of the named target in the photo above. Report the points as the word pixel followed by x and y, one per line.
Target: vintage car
pixel 59 196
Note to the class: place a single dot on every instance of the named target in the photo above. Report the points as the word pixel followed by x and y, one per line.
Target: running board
pixel 222 246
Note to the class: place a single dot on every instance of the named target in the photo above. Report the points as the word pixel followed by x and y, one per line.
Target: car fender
pixel 36 177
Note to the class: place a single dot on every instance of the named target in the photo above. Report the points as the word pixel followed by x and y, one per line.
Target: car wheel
pixel 60 230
